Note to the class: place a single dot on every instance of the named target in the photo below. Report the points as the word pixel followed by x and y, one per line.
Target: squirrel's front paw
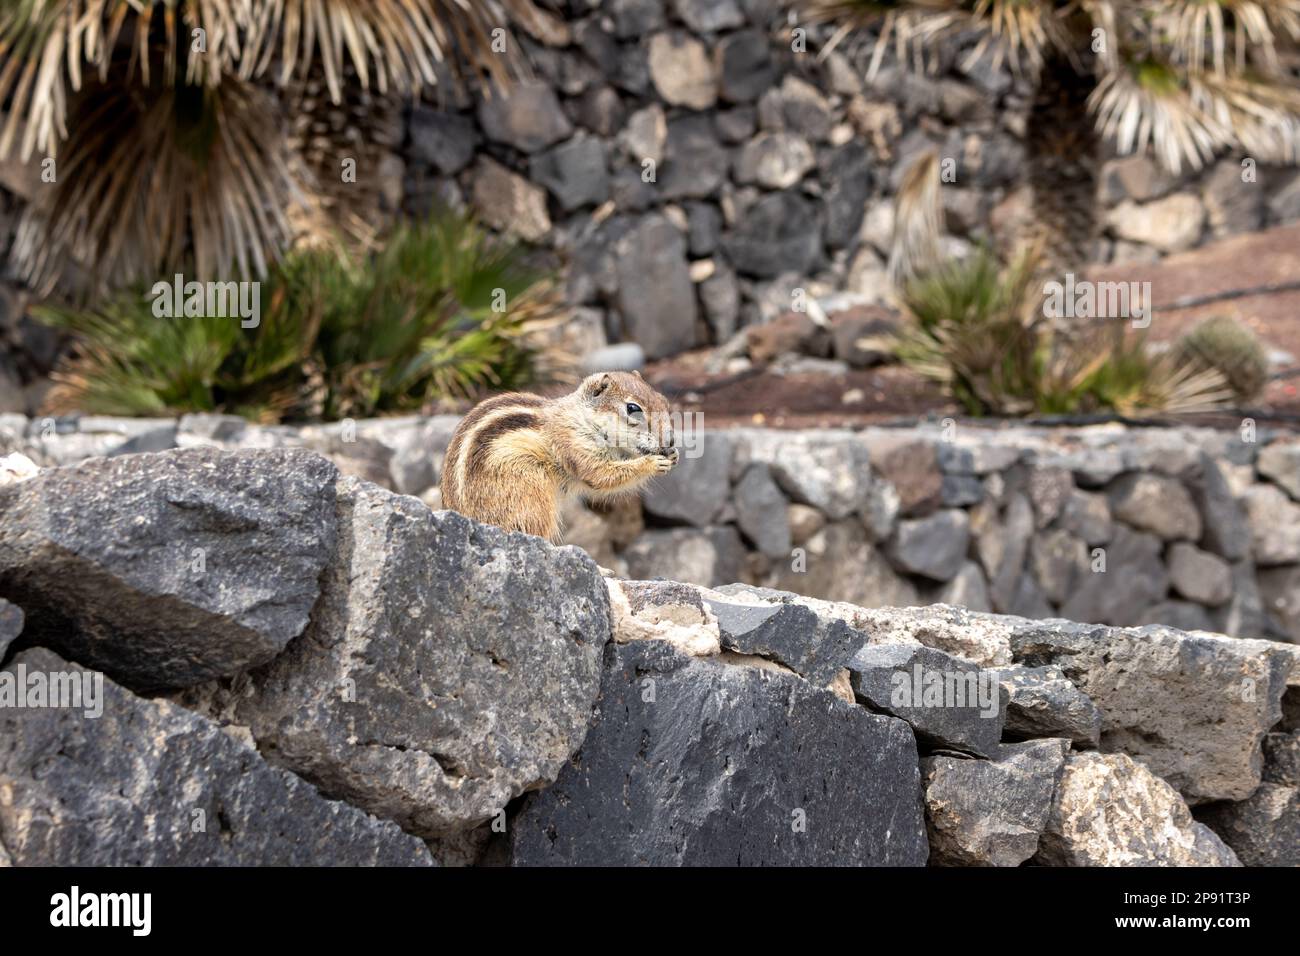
pixel 665 460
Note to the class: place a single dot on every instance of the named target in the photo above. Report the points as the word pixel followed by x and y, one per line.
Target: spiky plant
pixel 1185 78
pixel 99 81
pixel 979 329
pixel 1224 344
pixel 442 310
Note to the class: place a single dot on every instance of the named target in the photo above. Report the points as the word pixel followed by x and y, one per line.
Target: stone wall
pixel 1194 528
pixel 771 170
pixel 280 664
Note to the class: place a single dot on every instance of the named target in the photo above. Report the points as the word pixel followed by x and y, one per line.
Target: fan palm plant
pixel 1185 78
pixel 169 150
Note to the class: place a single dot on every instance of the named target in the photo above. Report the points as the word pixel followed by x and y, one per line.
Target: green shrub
pixel 979 329
pixel 441 310
pixel 1223 344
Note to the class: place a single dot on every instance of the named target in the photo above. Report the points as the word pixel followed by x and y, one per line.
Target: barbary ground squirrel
pixel 514 457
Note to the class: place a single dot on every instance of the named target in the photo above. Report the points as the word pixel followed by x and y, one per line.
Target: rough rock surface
pixel 148 783
pixel 949 702
pixel 1192 707
pixel 991 812
pixel 11 625
pixel 1045 703
pixel 449 667
pixel 700 763
pixel 169 569
pixel 1110 810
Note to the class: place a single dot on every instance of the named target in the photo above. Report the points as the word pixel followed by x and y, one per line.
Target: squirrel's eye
pixel 633 408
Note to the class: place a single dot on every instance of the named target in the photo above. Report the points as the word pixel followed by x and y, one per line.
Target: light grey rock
pixel 508 202
pixel 1274 523
pixel 1192 707
pixel 949 702
pixel 448 141
pixel 148 783
pixel 1057 559
pixel 1086 515
pixel 1002 547
pixel 967 589
pixel 1183 615
pixel 681 71
pixel 991 812
pixel 840 564
pixel 708 557
pixel 1029 599
pixel 709 16
pixel 1049 488
pixel 169 569
pixel 680 743
pixel 1199 575
pixel 646 134
pixel 449 666
pixel 1111 811
pixel 1279 462
pixel 833 477
pixel 1043 702
pixel 416 465
pixel 880 513
pixel 761 512
pixel 1245 614
pixel 774 160
pixel 1280 592
pixel 934 547
pixel 527 117
pixel 1157 504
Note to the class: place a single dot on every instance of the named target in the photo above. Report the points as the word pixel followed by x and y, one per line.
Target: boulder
pixel 449 666
pixel 148 783
pixel 1192 707
pixel 708 556
pixel 779 233
pixel 761 512
pixel 949 702
pixel 934 547
pixel 832 477
pixel 528 117
pixel 695 491
pixel 1224 529
pixel 1199 575
pixel 698 762
pixel 991 812
pixel 655 293
pixel 172 568
pixel 1043 702
pixel 1110 810
pixel 1274 522
pixel 1157 504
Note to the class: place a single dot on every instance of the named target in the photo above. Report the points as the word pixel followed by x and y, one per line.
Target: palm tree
pixel 1185 78
pixel 168 126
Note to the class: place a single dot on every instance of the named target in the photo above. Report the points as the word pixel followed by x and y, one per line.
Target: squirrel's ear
pixel 597 384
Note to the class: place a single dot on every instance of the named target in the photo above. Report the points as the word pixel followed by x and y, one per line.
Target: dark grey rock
pixel 449 667
pixel 720 299
pixel 696 763
pixel 991 812
pixel 934 547
pixel 1134 580
pixel 599 110
pixel 960 491
pixel 11 625
pixel 1263 829
pixel 574 172
pixel 1045 703
pixel 169 569
pixel 950 703
pixel 1225 531
pixel 779 233
pixel 695 491
pixel 445 140
pixel 704 223
pixel 1058 558
pixel 655 293
pixel 852 332
pixel 1156 503
pixel 635 18
pixel 1183 615
pixel 1279 589
pixel 846 173
pixel 761 512
pixel 148 783
pixel 695 163
pixel 1003 548
pixel 709 16
pixel 814 647
pixel 745 68
pixel 527 117
pixel 737 124
pixel 1086 515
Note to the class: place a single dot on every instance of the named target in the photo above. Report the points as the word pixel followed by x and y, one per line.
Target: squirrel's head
pixel 626 414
